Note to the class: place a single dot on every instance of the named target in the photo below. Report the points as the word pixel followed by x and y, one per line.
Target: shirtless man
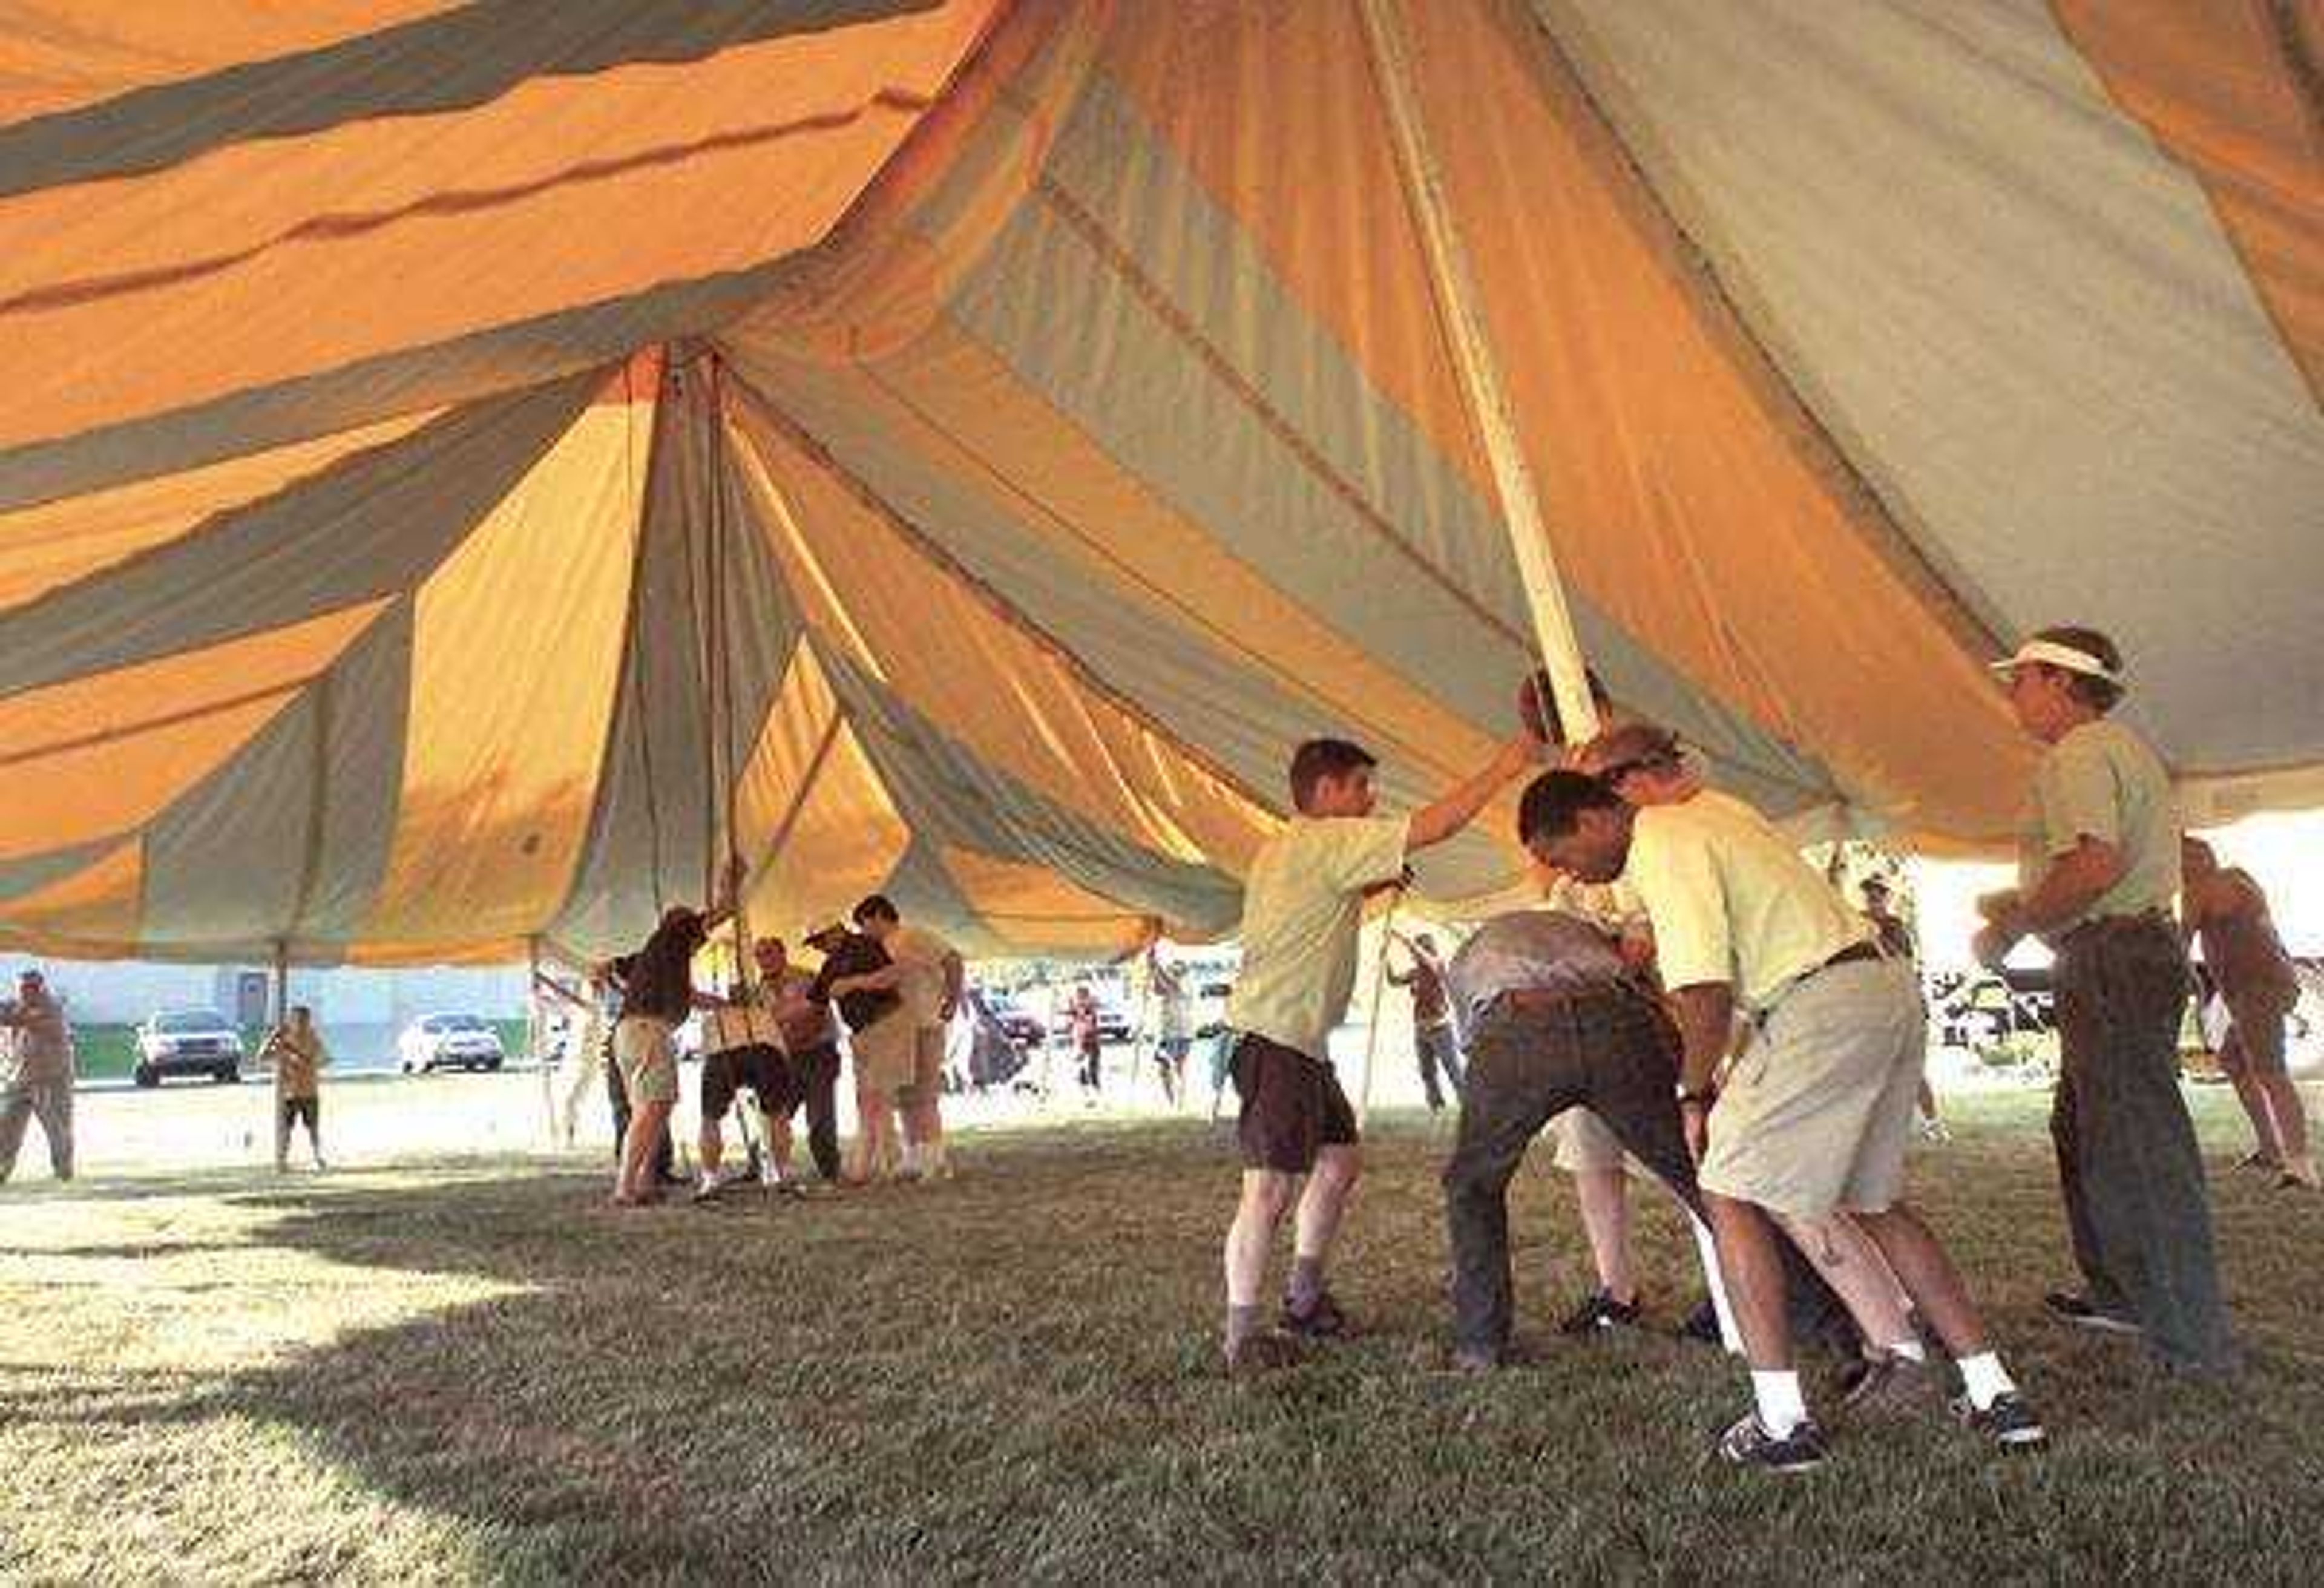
pixel 2224 910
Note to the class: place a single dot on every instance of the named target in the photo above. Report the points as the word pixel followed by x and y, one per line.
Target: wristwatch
pixel 1700 1099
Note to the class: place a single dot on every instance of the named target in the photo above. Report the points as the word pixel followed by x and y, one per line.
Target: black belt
pixel 2098 925
pixel 1862 950
pixel 1854 953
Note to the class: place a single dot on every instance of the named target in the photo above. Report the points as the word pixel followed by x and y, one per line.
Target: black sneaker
pixel 1321 1320
pixel 1749 1445
pixel 1601 1314
pixel 1702 1324
pixel 2084 1314
pixel 2009 1422
pixel 1888 1382
pixel 1261 1353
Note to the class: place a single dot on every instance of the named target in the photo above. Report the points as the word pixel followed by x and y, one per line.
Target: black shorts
pixel 291 1110
pixel 1292 1105
pixel 758 1066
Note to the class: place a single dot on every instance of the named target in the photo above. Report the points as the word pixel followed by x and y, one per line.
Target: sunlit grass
pixel 474 1373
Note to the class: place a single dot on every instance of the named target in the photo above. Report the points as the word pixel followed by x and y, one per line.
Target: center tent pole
pixel 1372 1020
pixel 1454 289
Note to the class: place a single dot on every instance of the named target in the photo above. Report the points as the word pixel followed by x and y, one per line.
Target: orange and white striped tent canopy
pixel 465 467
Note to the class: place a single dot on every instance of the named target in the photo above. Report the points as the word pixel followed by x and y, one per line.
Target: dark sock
pixel 1242 1323
pixel 1306 1284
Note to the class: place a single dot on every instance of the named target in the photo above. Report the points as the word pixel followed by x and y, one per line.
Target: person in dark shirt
pixel 656 985
pixel 880 1036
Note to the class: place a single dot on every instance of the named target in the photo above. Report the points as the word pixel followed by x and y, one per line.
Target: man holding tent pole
pixel 657 996
pixel 1303 906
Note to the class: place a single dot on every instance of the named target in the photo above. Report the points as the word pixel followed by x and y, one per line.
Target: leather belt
pixel 1545 1000
pixel 1863 950
pixel 1854 953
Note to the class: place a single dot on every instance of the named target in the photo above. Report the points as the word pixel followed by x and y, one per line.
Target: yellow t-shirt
pixel 1731 900
pixel 1612 907
pixel 921 954
pixel 1302 907
pixel 2101 782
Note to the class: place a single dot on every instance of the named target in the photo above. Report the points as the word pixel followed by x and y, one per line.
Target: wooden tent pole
pixel 1455 289
pixel 1372 1020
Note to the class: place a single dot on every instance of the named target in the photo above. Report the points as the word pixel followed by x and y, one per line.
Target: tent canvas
pixel 468 467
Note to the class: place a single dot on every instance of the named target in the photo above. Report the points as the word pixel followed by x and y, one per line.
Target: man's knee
pixel 1266 1194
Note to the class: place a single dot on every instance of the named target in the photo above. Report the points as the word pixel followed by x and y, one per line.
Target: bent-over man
pixel 1815 1114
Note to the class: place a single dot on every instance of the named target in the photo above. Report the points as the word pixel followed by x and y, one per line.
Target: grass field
pixel 472 1373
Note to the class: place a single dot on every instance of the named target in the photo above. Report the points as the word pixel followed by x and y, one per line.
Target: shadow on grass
pixel 1013 1373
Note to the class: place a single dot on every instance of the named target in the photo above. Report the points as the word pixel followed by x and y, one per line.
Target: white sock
pixel 1910 1349
pixel 1984 1378
pixel 912 1157
pixel 1780 1408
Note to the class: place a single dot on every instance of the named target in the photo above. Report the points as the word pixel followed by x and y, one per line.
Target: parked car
pixel 1113 1021
pixel 1981 1009
pixel 435 1041
pixel 188 1042
pixel 1022 1026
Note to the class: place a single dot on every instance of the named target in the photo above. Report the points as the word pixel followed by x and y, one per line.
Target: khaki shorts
pixel 1585 1146
pixel 927 1065
pixel 885 1051
pixel 1819 1109
pixel 644 1048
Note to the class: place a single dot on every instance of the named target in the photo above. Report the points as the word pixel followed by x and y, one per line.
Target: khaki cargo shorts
pixel 1819 1109
pixel 647 1051
pixel 1585 1146
pixel 884 1051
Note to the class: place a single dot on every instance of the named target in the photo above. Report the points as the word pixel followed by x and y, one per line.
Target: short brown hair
pixel 1318 759
pixel 2099 694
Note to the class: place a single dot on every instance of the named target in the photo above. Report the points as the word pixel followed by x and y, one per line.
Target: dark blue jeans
pixel 2136 1204
pixel 1437 1050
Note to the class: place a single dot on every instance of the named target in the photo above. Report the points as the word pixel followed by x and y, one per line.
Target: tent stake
pixel 1463 323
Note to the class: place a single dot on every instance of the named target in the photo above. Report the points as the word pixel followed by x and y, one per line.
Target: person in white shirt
pixel 1303 904
pixel 1814 1112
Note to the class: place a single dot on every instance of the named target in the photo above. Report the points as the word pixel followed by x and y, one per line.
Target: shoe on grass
pixel 1321 1320
pixel 2009 1422
pixel 1748 1443
pixel 2084 1314
pixel 1701 1325
pixel 1601 1314
pixel 2261 1160
pixel 1887 1383
pixel 1263 1353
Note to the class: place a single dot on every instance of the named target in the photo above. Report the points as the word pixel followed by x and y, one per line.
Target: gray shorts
pixel 1818 1111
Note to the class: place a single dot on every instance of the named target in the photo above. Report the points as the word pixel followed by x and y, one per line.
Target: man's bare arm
pixel 1705 1013
pixel 1458 806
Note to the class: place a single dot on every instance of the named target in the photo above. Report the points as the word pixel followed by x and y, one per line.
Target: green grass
pixel 473 1373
